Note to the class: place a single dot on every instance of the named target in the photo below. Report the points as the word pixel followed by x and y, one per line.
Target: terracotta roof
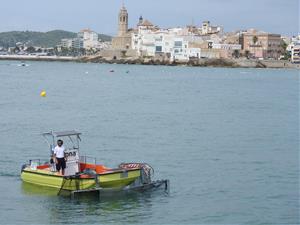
pixel 253 32
pixel 86 30
pixel 146 23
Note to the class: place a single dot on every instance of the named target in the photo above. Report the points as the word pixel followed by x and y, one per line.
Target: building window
pixel 178 44
pixel 158 48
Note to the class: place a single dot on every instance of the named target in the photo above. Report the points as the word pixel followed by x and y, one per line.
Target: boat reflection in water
pixel 31 189
pixel 36 190
pixel 87 207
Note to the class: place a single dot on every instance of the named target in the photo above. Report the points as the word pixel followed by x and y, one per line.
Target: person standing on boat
pixel 59 156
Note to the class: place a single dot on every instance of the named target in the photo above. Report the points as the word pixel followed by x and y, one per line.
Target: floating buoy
pixel 43 94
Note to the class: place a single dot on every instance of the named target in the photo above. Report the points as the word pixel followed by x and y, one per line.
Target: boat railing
pixel 36 161
pixel 88 160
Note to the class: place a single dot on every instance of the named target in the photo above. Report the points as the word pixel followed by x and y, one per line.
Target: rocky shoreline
pixel 227 63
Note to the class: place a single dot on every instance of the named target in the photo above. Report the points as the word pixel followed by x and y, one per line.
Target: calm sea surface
pixel 228 140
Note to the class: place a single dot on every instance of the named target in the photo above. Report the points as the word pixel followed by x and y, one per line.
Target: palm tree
pixel 30 49
pixel 247 54
pixel 123 52
pixel 254 39
pixel 236 53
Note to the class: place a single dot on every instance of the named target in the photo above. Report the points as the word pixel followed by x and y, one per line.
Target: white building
pixel 207 28
pixel 89 37
pixel 182 51
pixel 72 43
pixel 77 43
pixel 294 49
pixel 86 38
pixel 295 53
pixel 66 43
pixel 227 46
pixel 104 45
pixel 151 41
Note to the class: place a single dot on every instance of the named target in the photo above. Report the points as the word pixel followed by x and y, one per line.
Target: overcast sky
pixel 276 16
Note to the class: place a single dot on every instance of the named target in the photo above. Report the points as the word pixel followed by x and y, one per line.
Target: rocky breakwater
pixel 231 63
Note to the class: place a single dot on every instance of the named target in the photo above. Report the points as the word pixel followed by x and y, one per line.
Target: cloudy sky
pixel 277 16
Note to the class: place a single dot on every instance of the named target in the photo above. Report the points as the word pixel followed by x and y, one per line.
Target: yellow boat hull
pixel 114 179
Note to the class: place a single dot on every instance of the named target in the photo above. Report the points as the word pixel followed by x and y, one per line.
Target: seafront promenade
pixel 38 58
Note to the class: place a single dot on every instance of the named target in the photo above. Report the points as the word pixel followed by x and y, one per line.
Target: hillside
pixel 44 39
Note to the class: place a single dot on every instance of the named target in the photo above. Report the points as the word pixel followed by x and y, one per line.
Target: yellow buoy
pixel 43 94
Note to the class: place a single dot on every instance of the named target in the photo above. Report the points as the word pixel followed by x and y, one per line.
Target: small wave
pixel 245 72
pixel 24 65
pixel 8 174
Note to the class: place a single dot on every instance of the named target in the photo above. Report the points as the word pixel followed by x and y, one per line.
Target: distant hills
pixel 43 39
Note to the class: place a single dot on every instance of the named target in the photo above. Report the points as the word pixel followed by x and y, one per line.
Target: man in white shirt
pixel 59 157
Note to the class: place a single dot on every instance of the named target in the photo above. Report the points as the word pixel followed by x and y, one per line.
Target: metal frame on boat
pixel 83 177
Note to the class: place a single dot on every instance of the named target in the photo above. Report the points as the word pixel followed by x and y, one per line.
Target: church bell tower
pixel 123 21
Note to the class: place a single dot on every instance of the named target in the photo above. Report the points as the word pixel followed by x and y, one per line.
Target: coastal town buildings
pixel 149 40
pixel 261 45
pixel 206 41
pixel 181 44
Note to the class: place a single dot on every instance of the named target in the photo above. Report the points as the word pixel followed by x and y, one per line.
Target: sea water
pixel 227 139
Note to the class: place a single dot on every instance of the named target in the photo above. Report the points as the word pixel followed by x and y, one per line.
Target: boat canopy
pixel 63 133
pixel 71 139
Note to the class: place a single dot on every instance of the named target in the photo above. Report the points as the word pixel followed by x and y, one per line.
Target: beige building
pixel 261 44
pixel 295 53
pixel 232 38
pixel 207 28
pixel 123 39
